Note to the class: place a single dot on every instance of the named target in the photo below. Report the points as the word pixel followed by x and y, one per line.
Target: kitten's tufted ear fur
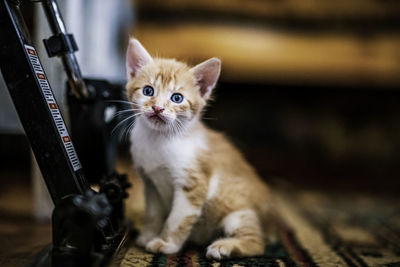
pixel 136 58
pixel 207 74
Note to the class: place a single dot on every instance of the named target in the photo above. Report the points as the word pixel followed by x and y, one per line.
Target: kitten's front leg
pixel 186 209
pixel 155 214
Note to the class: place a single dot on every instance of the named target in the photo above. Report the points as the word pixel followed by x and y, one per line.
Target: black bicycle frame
pixel 37 108
pixel 88 227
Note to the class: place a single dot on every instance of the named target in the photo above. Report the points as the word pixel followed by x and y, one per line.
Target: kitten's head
pixel 167 95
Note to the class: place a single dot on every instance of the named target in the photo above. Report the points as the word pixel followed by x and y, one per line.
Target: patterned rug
pixel 312 229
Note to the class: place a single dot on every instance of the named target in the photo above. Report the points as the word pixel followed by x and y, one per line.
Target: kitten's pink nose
pixel 157 109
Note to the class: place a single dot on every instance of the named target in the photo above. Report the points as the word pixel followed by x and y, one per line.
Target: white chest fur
pixel 165 158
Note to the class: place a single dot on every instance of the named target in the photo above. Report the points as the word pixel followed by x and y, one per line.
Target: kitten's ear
pixel 136 58
pixel 207 74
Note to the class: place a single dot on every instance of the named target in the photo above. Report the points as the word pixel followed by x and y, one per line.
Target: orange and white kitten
pixel 198 187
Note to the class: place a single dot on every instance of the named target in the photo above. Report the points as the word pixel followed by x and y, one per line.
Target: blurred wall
pixel 101 30
pixel 309 90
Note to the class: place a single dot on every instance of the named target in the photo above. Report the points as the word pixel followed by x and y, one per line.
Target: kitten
pixel 198 187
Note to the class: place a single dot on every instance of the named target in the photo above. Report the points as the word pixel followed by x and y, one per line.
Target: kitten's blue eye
pixel 148 90
pixel 177 98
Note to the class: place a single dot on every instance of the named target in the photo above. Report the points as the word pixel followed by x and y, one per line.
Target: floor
pixel 353 228
pixel 21 236
pixel 310 228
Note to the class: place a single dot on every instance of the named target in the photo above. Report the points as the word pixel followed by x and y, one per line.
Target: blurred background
pixel 309 90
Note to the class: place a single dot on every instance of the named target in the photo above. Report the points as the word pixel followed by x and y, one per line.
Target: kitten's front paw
pixel 144 238
pixel 220 249
pixel 157 245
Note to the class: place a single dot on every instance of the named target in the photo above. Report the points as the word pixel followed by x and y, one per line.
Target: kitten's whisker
pixel 124 120
pixel 125 111
pixel 180 123
pixel 123 102
pixel 178 127
pixel 131 113
pixel 121 122
pixel 122 112
pixel 128 130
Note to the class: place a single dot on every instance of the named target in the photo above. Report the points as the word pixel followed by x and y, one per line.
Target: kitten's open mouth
pixel 157 118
